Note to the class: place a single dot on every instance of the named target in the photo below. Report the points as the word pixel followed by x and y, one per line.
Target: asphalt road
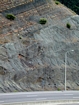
pixel 70 104
pixel 38 96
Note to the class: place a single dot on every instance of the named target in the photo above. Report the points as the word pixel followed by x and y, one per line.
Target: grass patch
pixel 43 21
pixel 68 25
pixel 59 89
pixel 10 16
pixel 56 2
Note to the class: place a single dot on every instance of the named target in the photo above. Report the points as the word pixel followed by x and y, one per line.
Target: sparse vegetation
pixel 68 25
pixel 43 21
pixel 56 2
pixel 58 89
pixel 10 16
pixel 19 37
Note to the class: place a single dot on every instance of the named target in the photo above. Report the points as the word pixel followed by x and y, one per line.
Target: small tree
pixel 68 25
pixel 42 21
pixel 10 16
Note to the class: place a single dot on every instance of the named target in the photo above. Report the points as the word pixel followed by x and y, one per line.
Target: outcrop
pixel 32 56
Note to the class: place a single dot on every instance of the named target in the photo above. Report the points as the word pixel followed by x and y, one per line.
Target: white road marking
pixel 1 101
pixel 41 98
pixel 16 94
pixel 76 97
pixel 31 95
pixel 68 94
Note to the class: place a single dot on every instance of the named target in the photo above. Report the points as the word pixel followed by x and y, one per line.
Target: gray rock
pixel 35 60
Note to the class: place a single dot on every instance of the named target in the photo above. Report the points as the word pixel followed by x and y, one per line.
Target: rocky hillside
pixel 32 56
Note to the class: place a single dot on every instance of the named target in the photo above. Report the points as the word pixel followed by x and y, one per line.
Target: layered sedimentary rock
pixel 7 4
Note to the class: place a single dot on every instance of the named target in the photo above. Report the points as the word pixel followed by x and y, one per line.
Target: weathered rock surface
pixel 33 56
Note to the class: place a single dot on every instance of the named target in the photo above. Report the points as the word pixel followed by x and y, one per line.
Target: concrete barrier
pixel 44 102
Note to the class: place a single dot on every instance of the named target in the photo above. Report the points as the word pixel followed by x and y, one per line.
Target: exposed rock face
pixel 8 4
pixel 33 56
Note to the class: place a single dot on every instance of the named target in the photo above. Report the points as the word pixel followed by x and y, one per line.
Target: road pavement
pixel 38 96
pixel 70 104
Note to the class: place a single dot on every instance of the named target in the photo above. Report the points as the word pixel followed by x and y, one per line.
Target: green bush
pixel 42 21
pixel 56 2
pixel 59 89
pixel 68 25
pixel 10 16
